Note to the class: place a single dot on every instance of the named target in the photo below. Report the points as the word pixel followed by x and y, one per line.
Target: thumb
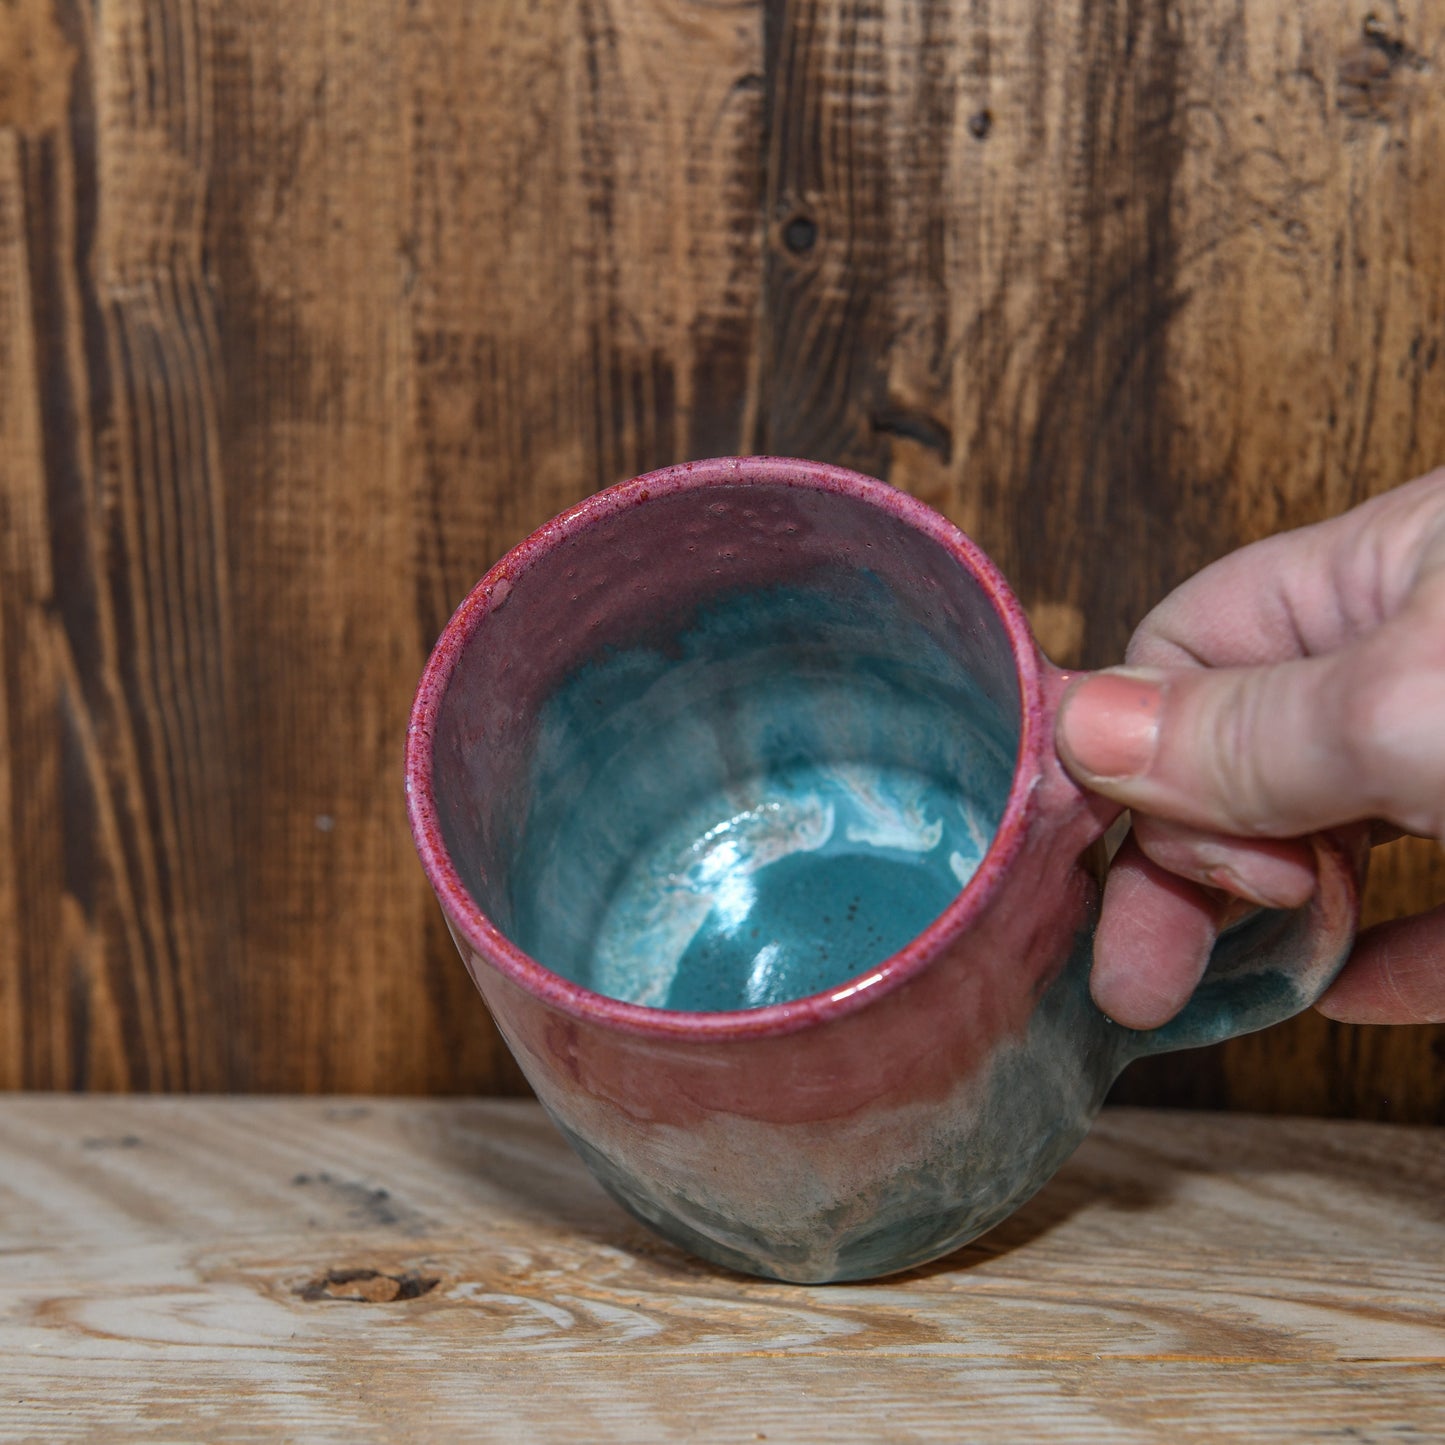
pixel 1268 751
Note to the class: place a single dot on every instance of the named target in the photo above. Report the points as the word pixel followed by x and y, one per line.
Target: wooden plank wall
pixel 308 311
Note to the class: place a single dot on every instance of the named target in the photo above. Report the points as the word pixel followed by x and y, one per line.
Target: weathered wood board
pixel 307 312
pixel 250 1269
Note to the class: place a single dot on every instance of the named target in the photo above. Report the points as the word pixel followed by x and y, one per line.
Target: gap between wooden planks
pixel 248 1268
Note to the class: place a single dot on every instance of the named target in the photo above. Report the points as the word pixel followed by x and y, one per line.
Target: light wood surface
pixel 308 311
pixel 351 1269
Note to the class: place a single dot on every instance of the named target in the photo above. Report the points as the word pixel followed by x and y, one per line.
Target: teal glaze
pixel 760 806
pixel 1240 993
pixel 985 1153
pixel 973 1168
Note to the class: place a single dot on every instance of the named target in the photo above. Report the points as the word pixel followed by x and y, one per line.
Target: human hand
pixel 1295 685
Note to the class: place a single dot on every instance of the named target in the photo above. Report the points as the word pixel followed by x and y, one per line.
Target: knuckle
pixel 1391 721
pixel 1363 708
pixel 1241 778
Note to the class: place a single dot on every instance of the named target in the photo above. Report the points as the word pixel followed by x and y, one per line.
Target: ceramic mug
pixel 736 784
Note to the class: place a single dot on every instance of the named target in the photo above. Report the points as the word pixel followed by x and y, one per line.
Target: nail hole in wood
pixel 980 123
pixel 800 235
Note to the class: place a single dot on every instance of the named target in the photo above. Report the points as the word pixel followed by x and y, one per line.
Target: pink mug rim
pixel 486 940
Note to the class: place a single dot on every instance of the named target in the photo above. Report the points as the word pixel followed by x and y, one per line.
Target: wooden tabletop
pixel 247 1268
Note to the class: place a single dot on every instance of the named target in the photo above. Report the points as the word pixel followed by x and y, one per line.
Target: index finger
pixel 1302 593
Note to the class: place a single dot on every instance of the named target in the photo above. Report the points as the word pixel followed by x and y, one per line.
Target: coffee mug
pixel 736 784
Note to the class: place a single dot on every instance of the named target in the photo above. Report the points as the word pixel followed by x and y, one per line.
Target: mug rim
pixel 471 925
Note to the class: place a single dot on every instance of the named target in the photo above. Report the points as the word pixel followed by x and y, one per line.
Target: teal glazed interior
pixel 763 800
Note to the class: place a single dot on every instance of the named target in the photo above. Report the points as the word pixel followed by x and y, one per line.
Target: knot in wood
pixel 367 1286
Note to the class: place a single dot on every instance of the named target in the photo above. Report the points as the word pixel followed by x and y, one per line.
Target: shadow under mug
pixel 736 784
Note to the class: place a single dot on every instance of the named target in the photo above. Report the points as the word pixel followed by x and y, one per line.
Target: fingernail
pixel 1286 880
pixel 1108 726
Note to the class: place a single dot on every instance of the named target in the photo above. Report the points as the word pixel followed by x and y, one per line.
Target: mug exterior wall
pixel 864 1143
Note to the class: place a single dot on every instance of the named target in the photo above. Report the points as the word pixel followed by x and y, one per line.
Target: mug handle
pixel 1269 965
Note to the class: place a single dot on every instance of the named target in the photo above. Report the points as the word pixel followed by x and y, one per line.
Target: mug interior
pixel 727 746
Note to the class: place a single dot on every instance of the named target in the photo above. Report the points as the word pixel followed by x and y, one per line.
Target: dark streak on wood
pixel 927 431
pixel 826 318
pixel 634 387
pixel 1096 481
pixel 62 194
pixel 62 426
pixel 724 339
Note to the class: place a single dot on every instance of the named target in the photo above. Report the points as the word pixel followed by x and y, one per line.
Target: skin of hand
pixel 1293 686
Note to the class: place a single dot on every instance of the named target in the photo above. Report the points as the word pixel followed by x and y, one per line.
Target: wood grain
pixel 241 1269
pixel 307 313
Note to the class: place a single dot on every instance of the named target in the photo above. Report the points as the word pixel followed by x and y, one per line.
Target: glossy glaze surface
pixel 761 807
